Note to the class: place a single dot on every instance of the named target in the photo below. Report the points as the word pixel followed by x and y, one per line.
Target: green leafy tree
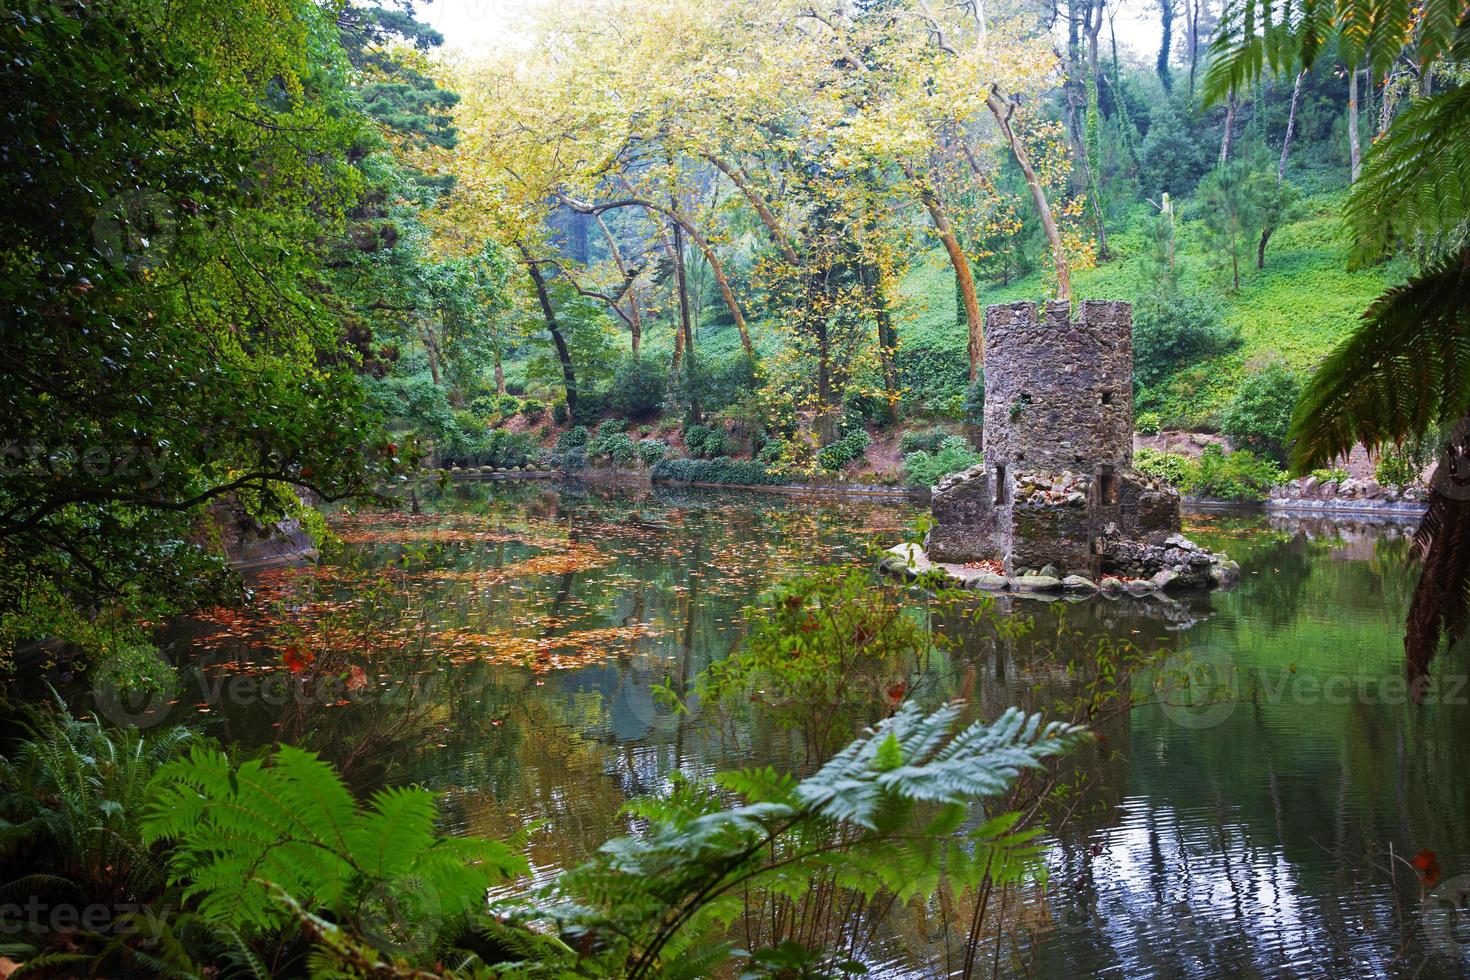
pixel 1259 416
pixel 168 339
pixel 1228 207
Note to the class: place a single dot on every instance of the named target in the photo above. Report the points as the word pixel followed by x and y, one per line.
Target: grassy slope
pixel 1301 305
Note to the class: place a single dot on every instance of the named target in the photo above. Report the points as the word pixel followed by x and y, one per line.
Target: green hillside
pixel 1295 310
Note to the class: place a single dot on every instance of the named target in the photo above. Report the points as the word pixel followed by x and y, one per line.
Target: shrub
pixel 1399 466
pixel 704 442
pixel 1330 474
pixel 1177 335
pixel 1241 475
pixel 772 450
pixel 1172 468
pixel 746 472
pixel 924 469
pixel 651 451
pixel 845 451
pixel 1148 423
pixel 612 443
pixel 927 441
pixel 714 384
pixel 531 408
pixel 572 438
pixel 638 388
pixel 559 413
pixel 1259 415
pixel 590 406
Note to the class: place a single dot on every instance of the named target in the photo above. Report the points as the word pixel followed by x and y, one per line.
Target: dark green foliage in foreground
pixel 242 835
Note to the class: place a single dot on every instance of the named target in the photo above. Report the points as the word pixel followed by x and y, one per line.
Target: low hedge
pixel 746 472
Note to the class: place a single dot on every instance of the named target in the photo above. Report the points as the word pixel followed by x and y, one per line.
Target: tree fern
pixel 881 815
pixel 1403 372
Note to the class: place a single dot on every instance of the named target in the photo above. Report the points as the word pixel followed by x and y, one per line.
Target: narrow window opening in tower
pixel 1025 398
pixel 1107 486
pixel 1000 484
pixel 1107 398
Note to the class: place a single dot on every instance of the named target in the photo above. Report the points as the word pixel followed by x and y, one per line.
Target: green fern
pixel 1404 372
pixel 73 792
pixel 882 816
pixel 243 836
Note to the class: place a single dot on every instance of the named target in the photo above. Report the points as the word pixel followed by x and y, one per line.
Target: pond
pixel 533 626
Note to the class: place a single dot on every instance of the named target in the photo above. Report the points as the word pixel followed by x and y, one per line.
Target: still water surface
pixel 1267 836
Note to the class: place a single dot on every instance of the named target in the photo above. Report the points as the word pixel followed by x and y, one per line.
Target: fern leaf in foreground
pixel 649 899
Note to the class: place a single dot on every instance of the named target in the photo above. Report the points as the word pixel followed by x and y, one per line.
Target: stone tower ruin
pixel 1057 487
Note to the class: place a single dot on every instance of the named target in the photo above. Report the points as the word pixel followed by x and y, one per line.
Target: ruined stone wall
pixel 1059 390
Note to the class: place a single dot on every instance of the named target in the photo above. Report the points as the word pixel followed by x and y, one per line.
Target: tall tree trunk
pixel 635 319
pixel 1192 11
pixel 563 353
pixel 741 180
pixel 1229 127
pixel 1166 40
pixel 1296 95
pixel 686 326
pixel 1355 149
pixel 718 268
pixel 1001 110
pixel 964 281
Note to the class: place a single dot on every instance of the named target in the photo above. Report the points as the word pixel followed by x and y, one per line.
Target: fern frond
pixel 980 761
pixel 1415 183
pixel 1405 371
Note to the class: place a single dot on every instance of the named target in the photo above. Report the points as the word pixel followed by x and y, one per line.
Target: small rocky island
pixel 1057 505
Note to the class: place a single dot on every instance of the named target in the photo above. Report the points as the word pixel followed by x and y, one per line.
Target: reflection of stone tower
pixel 1057 486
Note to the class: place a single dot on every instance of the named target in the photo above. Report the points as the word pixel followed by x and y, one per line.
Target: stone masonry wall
pixel 1059 391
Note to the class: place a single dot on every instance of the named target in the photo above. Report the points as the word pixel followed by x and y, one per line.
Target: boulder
pixel 1079 583
pixel 1036 583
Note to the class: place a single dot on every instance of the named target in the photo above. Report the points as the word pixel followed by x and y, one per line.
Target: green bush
pixel 531 408
pixel 611 443
pixel 704 442
pixel 574 437
pixel 1176 335
pixel 638 388
pixel 590 406
pixel 651 451
pixel 1148 423
pixel 1330 474
pixel 924 469
pixel 1172 468
pixel 1241 475
pixel 974 405
pixel 475 444
pixel 1259 415
pixel 772 450
pixel 713 383
pixel 746 472
pixel 1399 466
pixel 559 413
pixel 926 440
pixel 845 451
